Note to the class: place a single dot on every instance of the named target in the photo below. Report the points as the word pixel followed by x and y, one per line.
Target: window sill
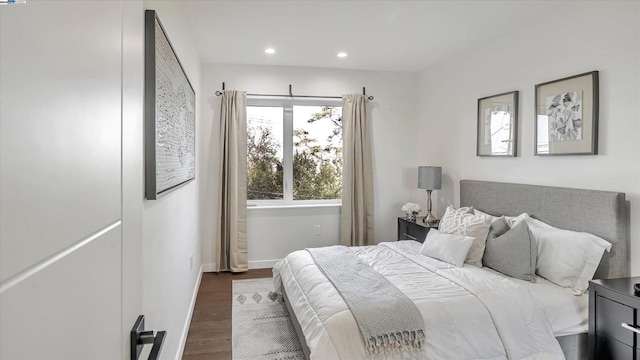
pixel 291 206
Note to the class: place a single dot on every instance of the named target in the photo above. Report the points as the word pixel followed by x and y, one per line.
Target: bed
pixel 464 324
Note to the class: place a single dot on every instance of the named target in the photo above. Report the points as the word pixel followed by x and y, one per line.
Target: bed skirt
pixel 574 347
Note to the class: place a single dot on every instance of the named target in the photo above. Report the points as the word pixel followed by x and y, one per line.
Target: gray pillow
pixel 499 226
pixel 514 253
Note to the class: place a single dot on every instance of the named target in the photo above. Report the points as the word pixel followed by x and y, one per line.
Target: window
pixel 264 152
pixel 294 151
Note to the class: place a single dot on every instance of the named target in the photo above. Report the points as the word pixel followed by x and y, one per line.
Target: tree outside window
pixel 315 166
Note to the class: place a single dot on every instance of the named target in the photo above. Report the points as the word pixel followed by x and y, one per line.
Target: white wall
pixel 599 36
pixel 171 224
pixel 394 120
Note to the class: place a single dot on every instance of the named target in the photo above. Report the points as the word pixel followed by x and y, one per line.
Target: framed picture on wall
pixel 498 125
pixel 567 116
pixel 169 115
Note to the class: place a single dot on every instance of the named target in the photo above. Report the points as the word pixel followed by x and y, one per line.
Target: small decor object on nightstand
pixel 411 210
pixel 429 178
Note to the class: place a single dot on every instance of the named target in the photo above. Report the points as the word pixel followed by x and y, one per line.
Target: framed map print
pixel 169 115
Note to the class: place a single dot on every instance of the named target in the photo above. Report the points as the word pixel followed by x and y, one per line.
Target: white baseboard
pixel 262 264
pixel 185 330
pixel 258 264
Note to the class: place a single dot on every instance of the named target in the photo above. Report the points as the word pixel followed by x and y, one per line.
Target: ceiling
pixel 377 35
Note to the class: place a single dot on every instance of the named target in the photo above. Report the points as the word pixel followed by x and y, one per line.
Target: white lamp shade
pixel 430 177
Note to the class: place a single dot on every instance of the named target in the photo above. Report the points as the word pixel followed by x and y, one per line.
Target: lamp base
pixel 430 219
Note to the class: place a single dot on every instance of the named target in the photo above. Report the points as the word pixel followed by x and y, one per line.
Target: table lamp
pixel 429 178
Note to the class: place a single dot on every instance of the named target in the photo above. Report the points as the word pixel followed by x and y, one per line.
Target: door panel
pixel 132 165
pixel 60 115
pixel 68 311
pixel 62 293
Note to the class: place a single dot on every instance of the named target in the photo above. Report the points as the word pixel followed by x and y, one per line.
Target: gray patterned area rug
pixel 261 327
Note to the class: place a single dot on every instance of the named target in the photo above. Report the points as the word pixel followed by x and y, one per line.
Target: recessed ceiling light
pixel 342 54
pixel 270 51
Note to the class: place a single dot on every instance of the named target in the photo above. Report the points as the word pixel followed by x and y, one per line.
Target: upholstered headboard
pixel 602 213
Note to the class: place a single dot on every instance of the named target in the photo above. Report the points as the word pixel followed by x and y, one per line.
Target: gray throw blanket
pixel 387 318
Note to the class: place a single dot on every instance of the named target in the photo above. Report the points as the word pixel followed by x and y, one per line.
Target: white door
pixel 69 244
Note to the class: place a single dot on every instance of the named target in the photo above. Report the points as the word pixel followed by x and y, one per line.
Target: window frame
pixel 287 148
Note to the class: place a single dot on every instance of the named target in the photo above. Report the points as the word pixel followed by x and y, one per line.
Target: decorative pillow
pixel 466 209
pixel 463 223
pixel 567 258
pixel 498 227
pixel 451 214
pixel 493 217
pixel 535 223
pixel 514 253
pixel 452 249
pixel 501 223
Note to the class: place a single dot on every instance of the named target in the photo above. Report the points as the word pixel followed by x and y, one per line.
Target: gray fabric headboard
pixel 602 213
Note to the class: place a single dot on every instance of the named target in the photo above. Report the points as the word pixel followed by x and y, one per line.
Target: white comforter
pixel 468 313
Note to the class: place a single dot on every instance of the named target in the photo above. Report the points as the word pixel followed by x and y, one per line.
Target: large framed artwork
pixel 498 125
pixel 169 115
pixel 567 116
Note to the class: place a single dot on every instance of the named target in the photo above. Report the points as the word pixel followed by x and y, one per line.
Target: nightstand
pixel 614 319
pixel 413 230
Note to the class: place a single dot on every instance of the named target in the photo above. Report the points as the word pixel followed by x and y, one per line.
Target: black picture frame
pixel 566 116
pixel 169 115
pixel 503 140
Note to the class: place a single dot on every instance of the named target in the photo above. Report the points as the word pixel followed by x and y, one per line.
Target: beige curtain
pixel 231 240
pixel 356 221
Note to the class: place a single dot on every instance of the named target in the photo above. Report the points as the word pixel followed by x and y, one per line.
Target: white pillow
pixel 463 223
pixel 452 249
pixel 567 258
pixel 513 221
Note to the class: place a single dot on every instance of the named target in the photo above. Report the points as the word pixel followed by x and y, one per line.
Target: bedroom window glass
pixel 264 152
pixel 294 151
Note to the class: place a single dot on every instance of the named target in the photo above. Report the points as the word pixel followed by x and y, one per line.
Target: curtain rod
pixel 364 92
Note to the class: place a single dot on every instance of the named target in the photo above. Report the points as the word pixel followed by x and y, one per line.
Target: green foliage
pixel 317 170
pixel 264 168
pixel 316 178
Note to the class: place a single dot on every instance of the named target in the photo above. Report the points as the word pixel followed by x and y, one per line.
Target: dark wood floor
pixel 210 331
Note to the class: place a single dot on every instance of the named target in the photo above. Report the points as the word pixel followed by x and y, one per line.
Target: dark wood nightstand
pixel 614 319
pixel 413 230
